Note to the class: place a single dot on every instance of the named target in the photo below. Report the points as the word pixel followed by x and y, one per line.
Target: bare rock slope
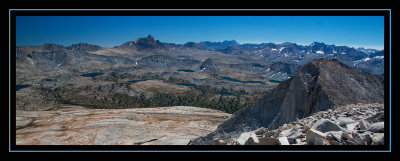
pixel 320 85
pixel 75 125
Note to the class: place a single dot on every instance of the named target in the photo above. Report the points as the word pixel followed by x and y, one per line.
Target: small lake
pixel 275 81
pixel 187 84
pixel 224 93
pixel 92 74
pixel 139 80
pixel 21 86
pixel 185 70
pixel 236 80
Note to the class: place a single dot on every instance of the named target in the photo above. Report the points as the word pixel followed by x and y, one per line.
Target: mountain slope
pixel 320 85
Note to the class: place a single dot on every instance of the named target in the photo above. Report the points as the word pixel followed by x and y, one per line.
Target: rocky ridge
pixel 356 124
pixel 320 85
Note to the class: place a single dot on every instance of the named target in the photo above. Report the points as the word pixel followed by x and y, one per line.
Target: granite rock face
pixel 75 125
pixel 320 85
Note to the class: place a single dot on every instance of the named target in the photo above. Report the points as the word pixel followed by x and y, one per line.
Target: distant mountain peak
pixel 144 43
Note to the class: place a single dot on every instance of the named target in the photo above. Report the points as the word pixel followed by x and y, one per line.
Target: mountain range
pixel 263 85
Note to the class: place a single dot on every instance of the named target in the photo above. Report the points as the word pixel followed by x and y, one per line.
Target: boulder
pixel 325 125
pixel 343 121
pixel 283 141
pixel 377 127
pixel 244 137
pixel 252 141
pixel 312 135
pixel 321 141
pixel 363 124
pixel 351 126
pixel 378 138
pixel 347 137
pixel 217 141
pixel 359 139
pixel 334 135
pixel 261 131
pixel 290 133
pixel 268 141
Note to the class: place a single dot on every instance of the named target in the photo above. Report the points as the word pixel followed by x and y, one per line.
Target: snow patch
pixel 280 50
pixel 366 59
pixel 320 52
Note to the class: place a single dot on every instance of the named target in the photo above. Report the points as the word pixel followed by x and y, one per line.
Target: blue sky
pixel 109 31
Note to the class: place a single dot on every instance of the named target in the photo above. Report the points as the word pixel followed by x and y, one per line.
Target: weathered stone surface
pixel 377 127
pixel 283 141
pixel 292 133
pixel 261 131
pixel 363 124
pixel 268 141
pixel 74 125
pixel 244 137
pixel 351 126
pixel 217 141
pixel 321 141
pixel 343 121
pixel 334 135
pixel 312 135
pixel 325 125
pixel 347 136
pixel 378 138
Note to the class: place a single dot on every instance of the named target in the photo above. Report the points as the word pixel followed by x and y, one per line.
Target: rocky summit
pixel 320 85
pixel 76 125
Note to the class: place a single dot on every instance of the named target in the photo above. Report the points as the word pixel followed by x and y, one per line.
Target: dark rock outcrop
pixel 193 45
pixel 83 47
pixel 320 85
pixel 209 66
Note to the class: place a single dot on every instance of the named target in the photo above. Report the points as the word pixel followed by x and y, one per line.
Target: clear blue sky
pixel 109 31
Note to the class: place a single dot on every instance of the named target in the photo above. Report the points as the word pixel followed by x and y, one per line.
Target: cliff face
pixel 318 86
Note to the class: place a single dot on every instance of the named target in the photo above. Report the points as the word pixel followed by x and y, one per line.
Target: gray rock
pixel 347 137
pixel 363 124
pixel 269 133
pixel 325 125
pixel 351 126
pixel 334 135
pixel 367 138
pixel 378 138
pixel 261 131
pixel 343 121
pixel 292 133
pixel 252 141
pixel 217 141
pixel 321 141
pixel 268 141
pixel 283 141
pixel 333 142
pixel 377 127
pixel 358 139
pixel 312 135
pixel 244 137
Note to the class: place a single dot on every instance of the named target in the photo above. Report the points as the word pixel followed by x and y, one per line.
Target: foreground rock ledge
pixel 75 125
